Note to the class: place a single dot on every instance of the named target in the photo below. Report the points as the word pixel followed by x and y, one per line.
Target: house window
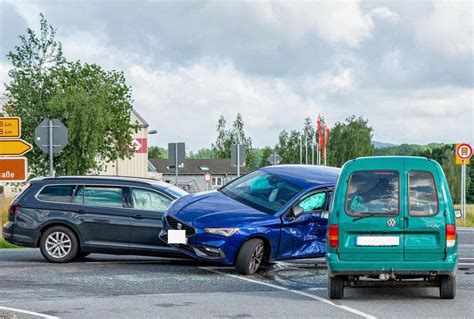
pixel 217 181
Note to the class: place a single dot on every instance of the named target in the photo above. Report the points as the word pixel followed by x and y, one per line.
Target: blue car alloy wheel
pixel 274 213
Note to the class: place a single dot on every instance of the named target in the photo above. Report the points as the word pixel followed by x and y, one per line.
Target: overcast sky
pixel 406 66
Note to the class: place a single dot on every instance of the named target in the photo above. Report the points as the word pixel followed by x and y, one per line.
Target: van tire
pixel 68 239
pixel 246 259
pixel 335 287
pixel 447 287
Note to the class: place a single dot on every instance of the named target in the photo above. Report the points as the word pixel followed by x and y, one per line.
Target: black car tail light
pixel 15 208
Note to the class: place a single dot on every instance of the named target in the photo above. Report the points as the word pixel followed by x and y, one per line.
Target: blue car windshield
pixel 261 190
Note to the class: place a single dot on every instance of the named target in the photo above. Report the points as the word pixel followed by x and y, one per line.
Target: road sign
pixel 207 177
pixel 10 127
pixel 59 135
pixel 14 147
pixel 274 159
pixel 463 153
pixel 140 145
pixel 13 169
pixel 242 154
pixel 176 157
pixel 176 154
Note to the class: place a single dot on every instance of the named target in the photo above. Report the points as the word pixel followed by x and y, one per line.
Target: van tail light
pixel 12 211
pixel 334 236
pixel 450 235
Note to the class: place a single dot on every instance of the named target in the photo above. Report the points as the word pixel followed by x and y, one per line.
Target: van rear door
pixel 371 220
pixel 425 233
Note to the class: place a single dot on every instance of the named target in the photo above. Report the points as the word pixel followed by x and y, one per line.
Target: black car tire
pixel 250 257
pixel 335 287
pixel 447 287
pixel 67 244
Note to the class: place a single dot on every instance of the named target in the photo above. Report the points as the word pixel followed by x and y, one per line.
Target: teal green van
pixel 392 223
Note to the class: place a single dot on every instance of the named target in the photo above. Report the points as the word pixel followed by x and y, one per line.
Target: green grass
pixel 4 203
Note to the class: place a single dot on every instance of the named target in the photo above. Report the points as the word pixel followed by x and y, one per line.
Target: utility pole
pixel 301 148
pixel 238 158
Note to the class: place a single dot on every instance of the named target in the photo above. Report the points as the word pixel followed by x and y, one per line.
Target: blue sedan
pixel 274 213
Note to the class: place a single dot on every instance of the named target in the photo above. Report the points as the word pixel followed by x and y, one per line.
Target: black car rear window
pixel 373 192
pixel 57 193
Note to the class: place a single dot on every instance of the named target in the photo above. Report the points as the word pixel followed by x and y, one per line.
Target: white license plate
pixel 176 236
pixel 378 241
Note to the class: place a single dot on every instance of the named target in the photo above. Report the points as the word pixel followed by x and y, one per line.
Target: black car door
pixel 104 215
pixel 146 213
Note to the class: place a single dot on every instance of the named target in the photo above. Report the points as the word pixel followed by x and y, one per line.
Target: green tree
pixel 349 140
pixel 445 156
pixel 93 103
pixel 227 137
pixel 288 146
pixel 157 152
pixel 203 153
pixel 264 154
pixel 470 178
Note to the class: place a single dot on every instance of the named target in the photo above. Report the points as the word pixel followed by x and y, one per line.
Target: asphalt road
pixel 137 287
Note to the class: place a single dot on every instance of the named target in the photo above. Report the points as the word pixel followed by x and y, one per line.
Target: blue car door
pixel 305 236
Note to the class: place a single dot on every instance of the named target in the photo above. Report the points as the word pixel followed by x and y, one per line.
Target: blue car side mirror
pixel 296 212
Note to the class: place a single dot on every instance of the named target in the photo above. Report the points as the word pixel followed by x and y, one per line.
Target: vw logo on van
pixel 179 226
pixel 391 222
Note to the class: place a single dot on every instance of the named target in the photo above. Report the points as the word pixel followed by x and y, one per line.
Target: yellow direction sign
pixel 10 127
pixel 14 147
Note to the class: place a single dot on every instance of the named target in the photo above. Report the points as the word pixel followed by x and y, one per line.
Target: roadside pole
pixel 176 163
pixel 463 190
pixel 50 135
pixel 238 159
pixel 301 148
pixel 463 158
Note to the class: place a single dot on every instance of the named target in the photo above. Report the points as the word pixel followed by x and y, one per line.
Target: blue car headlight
pixel 226 232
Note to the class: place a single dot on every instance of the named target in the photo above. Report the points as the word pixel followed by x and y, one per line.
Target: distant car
pixel 392 219
pixel 274 213
pixel 69 217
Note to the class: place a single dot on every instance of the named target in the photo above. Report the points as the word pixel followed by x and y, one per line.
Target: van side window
pixel 105 196
pixel 373 192
pixel 149 200
pixel 423 199
pixel 57 193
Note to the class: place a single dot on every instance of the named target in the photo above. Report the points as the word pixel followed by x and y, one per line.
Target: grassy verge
pixel 4 202
pixel 469 216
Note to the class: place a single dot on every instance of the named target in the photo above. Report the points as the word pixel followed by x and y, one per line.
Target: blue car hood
pixel 214 209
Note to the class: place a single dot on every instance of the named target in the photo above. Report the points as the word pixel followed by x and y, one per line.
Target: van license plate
pixel 176 236
pixel 378 241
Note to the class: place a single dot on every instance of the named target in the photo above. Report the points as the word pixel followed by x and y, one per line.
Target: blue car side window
pixel 314 202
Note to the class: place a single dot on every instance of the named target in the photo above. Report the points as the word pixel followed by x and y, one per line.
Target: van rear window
pixel 373 192
pixel 423 200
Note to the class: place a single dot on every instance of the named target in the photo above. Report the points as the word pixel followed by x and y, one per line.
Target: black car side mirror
pixel 296 212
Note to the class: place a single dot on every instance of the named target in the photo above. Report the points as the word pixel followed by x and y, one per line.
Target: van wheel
pixel 335 287
pixel 250 257
pixel 58 244
pixel 447 287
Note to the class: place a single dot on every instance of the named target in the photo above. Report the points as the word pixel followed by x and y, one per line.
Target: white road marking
pixel 466 264
pixel 316 288
pixel 302 293
pixel 466 258
pixel 37 314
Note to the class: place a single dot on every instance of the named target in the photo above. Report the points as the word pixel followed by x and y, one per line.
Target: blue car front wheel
pixel 250 257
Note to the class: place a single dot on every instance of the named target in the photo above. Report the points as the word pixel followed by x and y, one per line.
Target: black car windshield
pixel 262 190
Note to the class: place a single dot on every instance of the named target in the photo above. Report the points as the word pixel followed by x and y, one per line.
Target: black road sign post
pixel 51 136
pixel 238 155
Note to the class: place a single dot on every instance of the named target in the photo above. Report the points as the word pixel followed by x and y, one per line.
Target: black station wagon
pixel 68 217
